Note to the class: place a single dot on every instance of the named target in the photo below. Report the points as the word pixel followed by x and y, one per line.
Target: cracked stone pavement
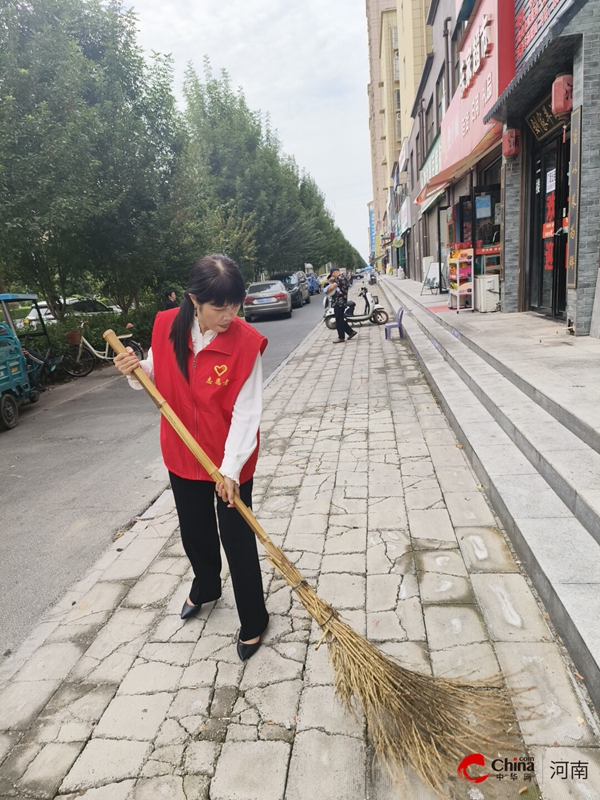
pixel 361 481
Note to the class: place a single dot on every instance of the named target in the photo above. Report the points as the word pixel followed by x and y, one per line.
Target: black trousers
pixel 341 325
pixel 195 502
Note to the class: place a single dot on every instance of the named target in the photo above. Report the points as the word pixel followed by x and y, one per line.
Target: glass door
pixel 548 237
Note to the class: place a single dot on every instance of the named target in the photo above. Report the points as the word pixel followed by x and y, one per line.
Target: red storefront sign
pixel 487 67
pixel 532 21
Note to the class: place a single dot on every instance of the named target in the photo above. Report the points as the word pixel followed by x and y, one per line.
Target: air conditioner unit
pixel 487 292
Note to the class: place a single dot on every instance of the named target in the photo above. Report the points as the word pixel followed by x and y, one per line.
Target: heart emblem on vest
pixel 221 370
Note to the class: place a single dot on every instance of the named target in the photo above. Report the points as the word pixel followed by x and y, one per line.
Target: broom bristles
pixel 413 719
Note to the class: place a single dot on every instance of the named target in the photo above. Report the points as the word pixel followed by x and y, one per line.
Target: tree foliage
pixel 105 186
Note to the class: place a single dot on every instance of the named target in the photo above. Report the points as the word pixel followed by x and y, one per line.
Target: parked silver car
pixel 267 297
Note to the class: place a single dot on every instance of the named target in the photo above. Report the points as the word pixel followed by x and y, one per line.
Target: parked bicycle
pixel 82 356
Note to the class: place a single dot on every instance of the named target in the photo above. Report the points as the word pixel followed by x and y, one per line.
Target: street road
pixel 81 465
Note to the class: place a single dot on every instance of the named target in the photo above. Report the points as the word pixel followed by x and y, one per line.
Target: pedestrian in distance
pixel 207 363
pixel 337 291
pixel 170 299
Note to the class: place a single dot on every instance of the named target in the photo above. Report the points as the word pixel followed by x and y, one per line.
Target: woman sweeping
pixel 206 362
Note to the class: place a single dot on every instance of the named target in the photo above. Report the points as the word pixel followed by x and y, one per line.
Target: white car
pixel 74 304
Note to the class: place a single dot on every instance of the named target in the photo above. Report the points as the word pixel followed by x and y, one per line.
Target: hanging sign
pixel 542 121
pixel 575 182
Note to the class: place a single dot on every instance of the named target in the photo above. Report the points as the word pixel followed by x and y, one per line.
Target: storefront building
pixel 468 178
pixel 550 114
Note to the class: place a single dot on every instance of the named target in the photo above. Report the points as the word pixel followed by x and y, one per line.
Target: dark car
pixel 267 297
pixel 296 284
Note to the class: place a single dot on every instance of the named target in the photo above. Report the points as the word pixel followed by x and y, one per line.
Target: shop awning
pixel 433 198
pixel 456 171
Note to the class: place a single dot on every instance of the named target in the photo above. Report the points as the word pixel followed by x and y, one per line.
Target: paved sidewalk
pixel 361 481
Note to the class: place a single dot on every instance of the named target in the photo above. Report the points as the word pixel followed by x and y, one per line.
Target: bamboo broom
pixel 412 718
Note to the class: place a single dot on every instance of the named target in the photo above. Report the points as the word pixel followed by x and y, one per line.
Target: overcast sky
pixel 303 61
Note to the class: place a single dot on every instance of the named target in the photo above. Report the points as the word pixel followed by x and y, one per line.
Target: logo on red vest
pixel 220 369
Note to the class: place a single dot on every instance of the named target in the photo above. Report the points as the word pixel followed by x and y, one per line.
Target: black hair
pixel 214 279
pixel 169 292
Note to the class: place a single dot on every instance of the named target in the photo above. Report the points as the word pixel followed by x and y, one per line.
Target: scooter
pixel 373 311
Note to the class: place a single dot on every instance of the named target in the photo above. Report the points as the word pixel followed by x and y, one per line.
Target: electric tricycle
pixel 24 368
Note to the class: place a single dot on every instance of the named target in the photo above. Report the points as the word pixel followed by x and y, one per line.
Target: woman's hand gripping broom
pixel 412 718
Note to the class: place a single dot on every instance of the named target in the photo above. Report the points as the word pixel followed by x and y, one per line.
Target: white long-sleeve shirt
pixel 247 410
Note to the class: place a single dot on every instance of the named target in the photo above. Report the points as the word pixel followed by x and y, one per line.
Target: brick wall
pixel 512 224
pixel 586 92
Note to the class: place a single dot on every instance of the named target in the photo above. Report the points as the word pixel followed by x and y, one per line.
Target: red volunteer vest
pixel 204 402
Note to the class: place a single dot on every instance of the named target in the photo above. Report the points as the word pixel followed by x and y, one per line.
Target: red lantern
pixel 511 143
pixel 562 95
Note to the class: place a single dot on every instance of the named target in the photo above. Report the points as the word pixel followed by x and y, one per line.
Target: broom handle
pixel 187 438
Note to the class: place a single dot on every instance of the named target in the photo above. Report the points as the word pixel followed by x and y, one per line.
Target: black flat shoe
pixel 244 651
pixel 189 611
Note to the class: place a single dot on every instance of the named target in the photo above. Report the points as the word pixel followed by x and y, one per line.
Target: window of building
pixel 398 126
pixel 398 100
pixel 404 70
pixel 455 66
pixel 412 170
pixel 429 126
pixel 456 44
pixel 424 237
pixel 395 38
pixel 440 96
pixel 491 174
pixel 396 66
pixel 418 149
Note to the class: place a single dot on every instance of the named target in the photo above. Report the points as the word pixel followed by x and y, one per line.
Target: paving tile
pixel 152 589
pixel 249 770
pixel 277 703
pixel 134 717
pixel 20 703
pixel 48 769
pixel 327 767
pixel 51 662
pixel 342 590
pixel 113 791
pixel 106 761
pixel 509 608
pixel 431 525
pixel 468 509
pixel 449 626
pixel 150 677
pixel 543 695
pixel 485 550
pixel 337 720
